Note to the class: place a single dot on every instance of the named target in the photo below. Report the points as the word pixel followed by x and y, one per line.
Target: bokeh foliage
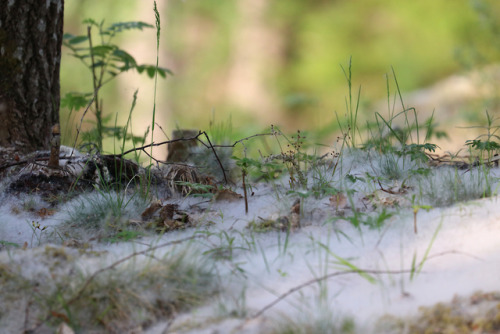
pixel 204 41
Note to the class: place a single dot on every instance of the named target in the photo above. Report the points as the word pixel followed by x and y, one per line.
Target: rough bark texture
pixel 31 34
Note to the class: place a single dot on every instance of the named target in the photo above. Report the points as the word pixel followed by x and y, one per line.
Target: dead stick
pixel 55 146
pixel 79 127
pixel 216 156
pixel 243 173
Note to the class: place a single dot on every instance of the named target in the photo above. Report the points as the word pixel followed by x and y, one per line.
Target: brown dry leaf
pixel 59 315
pixel 150 210
pixel 181 173
pixel 172 224
pixel 167 212
pixel 296 207
pixel 227 195
pixel 338 201
pixel 282 223
pixel 295 221
pixel 44 212
pixel 178 223
pixel 389 201
pixel 73 243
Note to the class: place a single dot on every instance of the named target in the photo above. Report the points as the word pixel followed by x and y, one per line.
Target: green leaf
pixel 164 71
pixel 103 50
pixel 480 145
pixel 120 26
pixel 75 101
pixel 8 243
pixel 349 265
pixel 150 71
pixel 91 22
pixel 124 57
pixel 98 64
pixel 77 39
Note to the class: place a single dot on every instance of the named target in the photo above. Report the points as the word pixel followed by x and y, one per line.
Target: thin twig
pixel 153 144
pixel 244 139
pixel 111 266
pixel 311 282
pixel 243 174
pixel 191 138
pixel 114 264
pixel 96 89
pixel 216 156
pixel 455 252
pixel 389 191
pixel 79 127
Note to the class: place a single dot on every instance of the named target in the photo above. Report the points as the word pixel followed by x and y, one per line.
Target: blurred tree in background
pixel 279 62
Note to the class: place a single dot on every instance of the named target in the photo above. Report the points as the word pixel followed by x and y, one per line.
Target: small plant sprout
pixel 486 143
pixel 352 108
pixel 244 164
pixel 417 268
pixel 105 61
pixel 38 229
pixel 417 208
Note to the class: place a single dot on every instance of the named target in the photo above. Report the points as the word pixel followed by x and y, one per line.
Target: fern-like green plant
pixel 105 61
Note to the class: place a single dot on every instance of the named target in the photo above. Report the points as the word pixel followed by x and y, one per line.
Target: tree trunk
pixel 31 33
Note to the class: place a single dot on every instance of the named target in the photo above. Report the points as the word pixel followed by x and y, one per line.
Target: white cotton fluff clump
pixel 447 185
pixel 452 253
pixel 91 215
pixel 65 280
pixel 67 151
pixel 25 220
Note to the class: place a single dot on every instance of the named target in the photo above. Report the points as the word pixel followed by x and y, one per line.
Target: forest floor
pixel 412 253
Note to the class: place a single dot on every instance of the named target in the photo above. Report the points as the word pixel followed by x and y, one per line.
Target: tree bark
pixel 31 33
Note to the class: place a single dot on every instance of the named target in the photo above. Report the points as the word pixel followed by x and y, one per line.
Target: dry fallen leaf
pixel 227 195
pixel 338 201
pixel 44 212
pixel 59 315
pixel 296 207
pixel 167 212
pixel 150 210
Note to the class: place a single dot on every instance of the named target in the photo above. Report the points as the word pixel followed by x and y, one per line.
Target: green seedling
pixel 347 265
pixel 416 209
pixel 105 61
pixel 197 189
pixel 6 244
pixel 124 236
pixel 38 230
pixel 485 143
pixel 350 129
pixel 417 268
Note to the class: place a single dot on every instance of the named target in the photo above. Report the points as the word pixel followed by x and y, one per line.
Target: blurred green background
pixel 279 62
